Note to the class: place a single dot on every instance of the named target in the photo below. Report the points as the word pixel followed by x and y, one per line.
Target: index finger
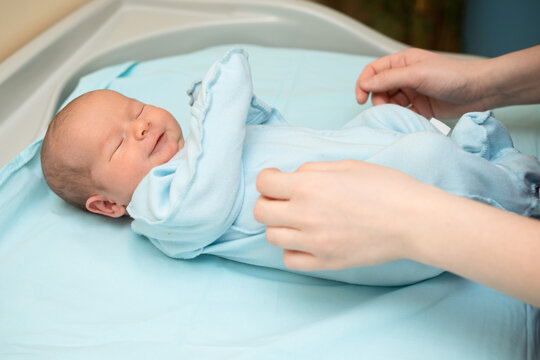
pixel 361 94
pixel 275 184
pixel 378 66
pixel 373 69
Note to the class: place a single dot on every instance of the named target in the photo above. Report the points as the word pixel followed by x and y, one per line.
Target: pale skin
pixel 334 215
pixel 120 139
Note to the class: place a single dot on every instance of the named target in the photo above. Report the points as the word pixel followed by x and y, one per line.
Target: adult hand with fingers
pixel 440 86
pixel 333 215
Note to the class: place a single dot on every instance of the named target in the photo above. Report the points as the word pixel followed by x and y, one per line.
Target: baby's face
pixel 122 139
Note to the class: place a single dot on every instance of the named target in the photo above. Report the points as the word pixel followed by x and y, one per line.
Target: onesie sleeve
pixel 189 202
pixel 262 114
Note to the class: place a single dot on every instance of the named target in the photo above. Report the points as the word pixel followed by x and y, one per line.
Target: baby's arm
pixel 186 204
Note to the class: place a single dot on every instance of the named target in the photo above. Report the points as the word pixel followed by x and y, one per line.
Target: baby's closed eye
pixel 117 147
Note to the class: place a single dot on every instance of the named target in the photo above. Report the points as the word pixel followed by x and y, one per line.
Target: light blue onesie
pixel 201 201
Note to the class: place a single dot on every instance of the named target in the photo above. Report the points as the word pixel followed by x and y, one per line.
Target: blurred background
pixel 429 24
pixel 480 27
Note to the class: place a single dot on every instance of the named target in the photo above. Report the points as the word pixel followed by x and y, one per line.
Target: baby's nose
pixel 141 129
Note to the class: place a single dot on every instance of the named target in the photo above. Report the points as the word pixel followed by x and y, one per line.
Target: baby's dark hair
pixel 69 180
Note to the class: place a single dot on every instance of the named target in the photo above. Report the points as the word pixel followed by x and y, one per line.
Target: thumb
pixel 391 79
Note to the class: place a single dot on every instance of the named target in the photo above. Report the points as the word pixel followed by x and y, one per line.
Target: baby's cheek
pixel 139 169
pixel 172 149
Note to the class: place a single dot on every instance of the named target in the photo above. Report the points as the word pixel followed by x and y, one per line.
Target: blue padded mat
pixel 78 286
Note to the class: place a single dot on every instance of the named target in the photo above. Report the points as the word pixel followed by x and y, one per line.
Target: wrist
pixel 498 90
pixel 485 92
pixel 415 225
pixel 510 79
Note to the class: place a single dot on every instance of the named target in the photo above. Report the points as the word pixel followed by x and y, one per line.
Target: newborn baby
pixel 114 155
pixel 101 145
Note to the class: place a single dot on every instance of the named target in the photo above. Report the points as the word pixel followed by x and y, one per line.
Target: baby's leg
pixel 392 118
pixel 480 133
pixel 508 181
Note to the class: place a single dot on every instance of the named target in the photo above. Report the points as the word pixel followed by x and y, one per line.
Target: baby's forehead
pixel 103 96
pixel 98 104
pixel 86 110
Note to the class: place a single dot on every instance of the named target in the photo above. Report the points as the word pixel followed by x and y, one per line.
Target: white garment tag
pixel 442 127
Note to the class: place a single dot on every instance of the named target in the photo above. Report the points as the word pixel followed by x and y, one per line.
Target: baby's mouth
pixel 161 140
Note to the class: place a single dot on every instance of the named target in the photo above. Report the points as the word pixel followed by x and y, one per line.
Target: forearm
pixel 511 79
pixel 487 245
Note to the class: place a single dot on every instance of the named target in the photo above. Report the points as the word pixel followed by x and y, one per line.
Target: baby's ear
pixel 101 205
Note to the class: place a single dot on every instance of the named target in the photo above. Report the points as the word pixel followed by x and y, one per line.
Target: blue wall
pixel 496 27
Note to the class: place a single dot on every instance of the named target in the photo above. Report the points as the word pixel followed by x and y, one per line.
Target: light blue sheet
pixel 78 286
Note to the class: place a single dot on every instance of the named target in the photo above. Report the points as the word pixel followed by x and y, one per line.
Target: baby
pixel 113 155
pixel 100 146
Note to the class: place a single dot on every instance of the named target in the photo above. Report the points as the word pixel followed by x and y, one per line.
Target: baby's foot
pixel 480 133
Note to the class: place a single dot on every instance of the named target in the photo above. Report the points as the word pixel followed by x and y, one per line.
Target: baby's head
pixel 101 145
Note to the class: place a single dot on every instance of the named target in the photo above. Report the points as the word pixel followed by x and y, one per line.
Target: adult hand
pixel 430 84
pixel 333 215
